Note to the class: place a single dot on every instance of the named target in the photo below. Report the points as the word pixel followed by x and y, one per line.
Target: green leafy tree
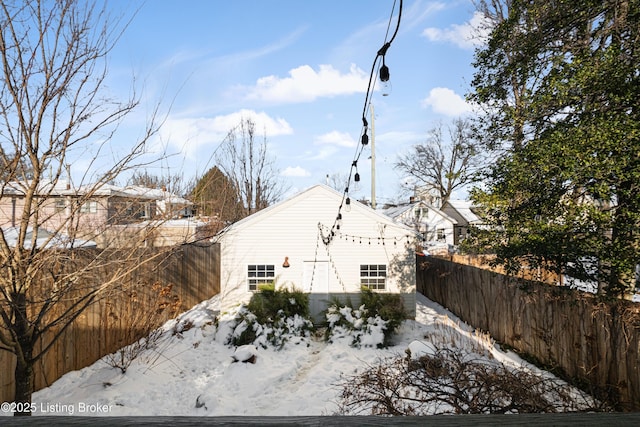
pixel 565 194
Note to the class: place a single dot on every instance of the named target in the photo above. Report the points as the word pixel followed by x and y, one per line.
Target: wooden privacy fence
pixel 486 263
pixel 585 338
pixel 156 291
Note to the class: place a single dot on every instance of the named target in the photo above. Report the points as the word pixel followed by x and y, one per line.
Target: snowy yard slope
pixel 191 373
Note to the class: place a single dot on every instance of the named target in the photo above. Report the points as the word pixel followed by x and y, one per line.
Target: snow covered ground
pixel 192 373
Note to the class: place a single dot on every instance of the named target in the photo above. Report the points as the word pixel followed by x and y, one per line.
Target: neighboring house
pixel 465 216
pixel 100 213
pixel 435 226
pixel 283 244
pixel 168 205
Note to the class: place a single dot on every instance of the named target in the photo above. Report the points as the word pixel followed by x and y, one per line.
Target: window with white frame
pixel 440 236
pixel 90 206
pixel 259 274
pixel 373 276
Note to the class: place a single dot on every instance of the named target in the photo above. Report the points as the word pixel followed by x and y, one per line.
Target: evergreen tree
pixel 565 194
pixel 215 195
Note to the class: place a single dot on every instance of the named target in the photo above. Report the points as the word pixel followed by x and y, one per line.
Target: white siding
pixel 433 223
pixel 429 224
pixel 290 229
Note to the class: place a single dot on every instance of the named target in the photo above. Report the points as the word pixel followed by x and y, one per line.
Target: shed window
pixel 373 276
pixel 441 236
pixel 260 274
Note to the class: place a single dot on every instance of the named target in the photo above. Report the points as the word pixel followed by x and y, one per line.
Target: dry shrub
pixel 139 325
pixel 452 382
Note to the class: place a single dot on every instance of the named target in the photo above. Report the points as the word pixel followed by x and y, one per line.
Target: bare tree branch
pixel 442 163
pixel 247 164
pixel 53 108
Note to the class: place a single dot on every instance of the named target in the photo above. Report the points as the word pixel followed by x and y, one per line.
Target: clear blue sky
pixel 299 69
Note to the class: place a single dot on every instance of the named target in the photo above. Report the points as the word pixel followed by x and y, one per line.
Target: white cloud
pixel 305 84
pixel 342 139
pixel 443 100
pixel 466 36
pixel 295 172
pixel 419 11
pixel 264 123
pixel 190 134
pixel 321 154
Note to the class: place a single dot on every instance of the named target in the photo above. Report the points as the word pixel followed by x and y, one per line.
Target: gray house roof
pixel 396 212
pixel 462 211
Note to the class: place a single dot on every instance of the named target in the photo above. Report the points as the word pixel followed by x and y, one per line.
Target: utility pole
pixel 373 158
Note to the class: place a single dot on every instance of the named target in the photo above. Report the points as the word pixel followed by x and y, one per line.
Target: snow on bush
pixel 355 327
pixel 272 318
pixel 372 324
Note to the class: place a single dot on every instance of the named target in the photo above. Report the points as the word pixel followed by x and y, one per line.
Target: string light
pixel 325 233
pixel 364 138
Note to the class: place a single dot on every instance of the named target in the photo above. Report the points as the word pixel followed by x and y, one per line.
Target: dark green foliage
pixel 564 90
pixel 271 318
pixel 215 195
pixel 375 308
pixel 389 307
pixel 269 303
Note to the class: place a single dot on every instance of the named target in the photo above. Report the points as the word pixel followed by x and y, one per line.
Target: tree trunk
pixel 24 353
pixel 625 241
pixel 24 386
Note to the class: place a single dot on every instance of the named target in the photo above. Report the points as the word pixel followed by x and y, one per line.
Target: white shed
pixel 284 244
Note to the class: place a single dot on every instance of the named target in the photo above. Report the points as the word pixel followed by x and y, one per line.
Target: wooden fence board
pixel 192 270
pixel 584 337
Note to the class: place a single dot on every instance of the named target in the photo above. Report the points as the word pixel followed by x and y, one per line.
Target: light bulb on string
pixel 356 179
pixel 386 88
pixel 347 205
pixel 384 72
pixel 385 85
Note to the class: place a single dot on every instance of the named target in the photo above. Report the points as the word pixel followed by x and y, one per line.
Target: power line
pixel 383 72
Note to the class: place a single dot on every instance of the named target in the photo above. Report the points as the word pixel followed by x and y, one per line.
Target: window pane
pixel 373 276
pixel 258 274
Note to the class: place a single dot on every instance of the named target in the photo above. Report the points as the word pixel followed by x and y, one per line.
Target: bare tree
pixel 442 165
pixel 173 183
pixel 338 181
pixel 245 161
pixel 53 71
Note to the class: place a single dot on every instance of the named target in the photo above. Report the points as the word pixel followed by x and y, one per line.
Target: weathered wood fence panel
pixel 575 332
pixel 178 279
pixel 486 263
